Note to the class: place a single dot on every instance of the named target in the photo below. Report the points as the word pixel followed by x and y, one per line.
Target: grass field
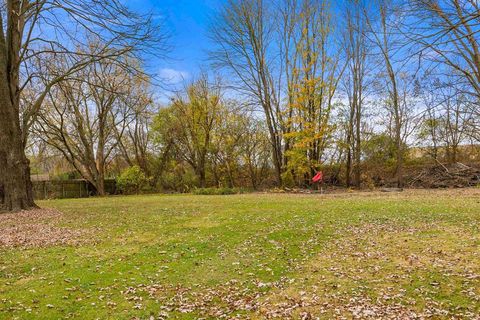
pixel 364 255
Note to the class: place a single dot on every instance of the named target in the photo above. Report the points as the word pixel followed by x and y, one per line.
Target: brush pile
pixel 457 175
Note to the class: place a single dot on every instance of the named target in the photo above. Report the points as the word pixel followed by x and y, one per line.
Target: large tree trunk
pixel 100 185
pixel 15 185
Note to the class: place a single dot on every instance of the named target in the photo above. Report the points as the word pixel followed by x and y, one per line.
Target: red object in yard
pixel 318 177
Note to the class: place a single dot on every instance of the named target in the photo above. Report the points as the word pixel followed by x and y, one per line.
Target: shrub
pixel 131 180
pixel 178 178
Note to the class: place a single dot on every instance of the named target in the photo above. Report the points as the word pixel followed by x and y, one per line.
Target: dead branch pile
pixel 457 175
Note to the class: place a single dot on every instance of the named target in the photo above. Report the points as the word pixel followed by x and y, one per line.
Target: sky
pixel 187 22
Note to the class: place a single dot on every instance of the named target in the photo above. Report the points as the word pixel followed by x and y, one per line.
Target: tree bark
pixel 348 168
pixel 358 145
pixel 201 176
pixel 15 185
pixel 100 184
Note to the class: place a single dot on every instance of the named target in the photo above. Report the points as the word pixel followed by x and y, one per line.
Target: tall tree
pixel 189 123
pixel 448 33
pixel 84 118
pixel 256 152
pixel 394 79
pixel 355 82
pixel 135 141
pixel 316 73
pixel 227 144
pixel 447 117
pixel 245 36
pixel 24 41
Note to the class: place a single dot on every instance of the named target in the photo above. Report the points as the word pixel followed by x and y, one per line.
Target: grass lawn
pixel 360 255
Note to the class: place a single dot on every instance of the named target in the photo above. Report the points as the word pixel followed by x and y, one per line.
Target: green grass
pixel 253 256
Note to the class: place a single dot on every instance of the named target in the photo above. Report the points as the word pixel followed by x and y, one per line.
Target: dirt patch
pixel 36 228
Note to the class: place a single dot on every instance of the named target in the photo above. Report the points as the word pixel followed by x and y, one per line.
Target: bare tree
pixel 255 152
pixel 24 42
pixel 449 37
pixel 84 118
pixel 429 132
pixel 244 33
pixel 227 142
pixel 452 111
pixel 399 80
pixel 355 82
pixel 135 141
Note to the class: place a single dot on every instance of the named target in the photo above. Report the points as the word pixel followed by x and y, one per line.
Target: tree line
pixel 297 86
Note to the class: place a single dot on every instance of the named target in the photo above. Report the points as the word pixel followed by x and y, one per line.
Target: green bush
pixel 178 178
pixel 131 180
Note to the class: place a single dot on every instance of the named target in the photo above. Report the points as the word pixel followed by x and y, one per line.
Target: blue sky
pixel 187 22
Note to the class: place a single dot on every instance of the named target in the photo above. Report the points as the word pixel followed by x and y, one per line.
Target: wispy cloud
pixel 172 76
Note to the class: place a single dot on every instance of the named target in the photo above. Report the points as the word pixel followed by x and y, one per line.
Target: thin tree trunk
pixel 348 168
pixel 358 171
pixel 253 179
pixel 399 167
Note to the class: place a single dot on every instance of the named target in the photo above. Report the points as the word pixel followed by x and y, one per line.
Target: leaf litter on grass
pixel 387 271
pixel 370 256
pixel 37 228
